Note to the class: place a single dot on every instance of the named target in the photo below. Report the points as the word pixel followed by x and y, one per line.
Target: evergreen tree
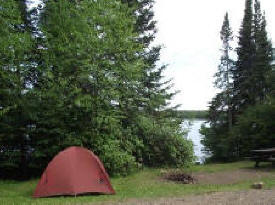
pixel 254 59
pixel 220 111
pixel 242 87
pixel 263 57
pixel 257 136
pixel 252 87
pixel 87 80
pixel 15 90
pixel 224 74
pixel 91 65
pixel 217 139
pixel 153 93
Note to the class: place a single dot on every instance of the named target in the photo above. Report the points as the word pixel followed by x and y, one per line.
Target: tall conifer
pixel 153 91
pixel 251 86
pixel 263 57
pixel 15 87
pixel 254 59
pixel 224 74
pixel 220 109
pixel 244 65
pixel 89 78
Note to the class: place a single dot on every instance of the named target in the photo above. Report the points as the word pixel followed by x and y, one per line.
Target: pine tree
pixel 15 90
pixel 153 94
pixel 251 86
pixel 257 136
pixel 220 110
pixel 91 73
pixel 84 81
pixel 263 57
pixel 224 74
pixel 254 59
pixel 244 66
pixel 154 90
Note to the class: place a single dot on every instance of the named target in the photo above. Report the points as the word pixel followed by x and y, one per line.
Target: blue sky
pixel 189 31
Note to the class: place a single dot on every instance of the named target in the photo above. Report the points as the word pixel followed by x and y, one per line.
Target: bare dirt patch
pixel 231 177
pixel 251 197
pixel 248 197
pixel 225 177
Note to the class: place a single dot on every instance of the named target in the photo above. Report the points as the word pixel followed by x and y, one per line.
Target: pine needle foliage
pixel 87 79
pixel 243 104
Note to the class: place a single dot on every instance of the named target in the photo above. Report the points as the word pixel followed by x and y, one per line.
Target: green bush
pixel 117 161
pixel 255 128
pixel 218 143
pixel 164 144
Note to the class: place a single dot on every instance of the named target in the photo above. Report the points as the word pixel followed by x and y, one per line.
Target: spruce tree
pixel 263 57
pixel 92 73
pixel 220 110
pixel 224 74
pixel 244 66
pixel 257 136
pixel 251 90
pixel 153 92
pixel 254 59
pixel 15 88
pixel 88 70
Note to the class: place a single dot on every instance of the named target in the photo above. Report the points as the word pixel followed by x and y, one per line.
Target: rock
pixel 258 185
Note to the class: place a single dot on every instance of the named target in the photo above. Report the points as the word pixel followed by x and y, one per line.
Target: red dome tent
pixel 74 171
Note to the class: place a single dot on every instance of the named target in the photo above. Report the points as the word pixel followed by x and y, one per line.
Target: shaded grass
pixel 144 184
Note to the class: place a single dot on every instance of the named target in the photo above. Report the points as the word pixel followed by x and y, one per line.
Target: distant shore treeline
pixel 193 114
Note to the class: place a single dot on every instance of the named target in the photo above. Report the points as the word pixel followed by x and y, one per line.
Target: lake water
pixel 193 126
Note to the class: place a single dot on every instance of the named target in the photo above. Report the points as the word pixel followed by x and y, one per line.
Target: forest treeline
pixel 193 114
pixel 242 114
pixel 84 73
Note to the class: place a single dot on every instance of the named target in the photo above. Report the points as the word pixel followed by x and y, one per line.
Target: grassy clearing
pixel 144 184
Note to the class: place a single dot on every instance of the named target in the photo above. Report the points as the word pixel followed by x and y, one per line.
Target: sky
pixel 189 31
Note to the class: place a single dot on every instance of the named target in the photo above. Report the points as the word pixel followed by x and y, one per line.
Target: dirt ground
pixel 251 197
pixel 231 177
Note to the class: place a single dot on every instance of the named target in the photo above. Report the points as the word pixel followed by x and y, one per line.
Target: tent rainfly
pixel 74 171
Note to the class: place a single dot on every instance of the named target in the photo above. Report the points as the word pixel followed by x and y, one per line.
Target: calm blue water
pixel 193 126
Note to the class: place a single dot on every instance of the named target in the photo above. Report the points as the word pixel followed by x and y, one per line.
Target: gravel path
pixel 251 197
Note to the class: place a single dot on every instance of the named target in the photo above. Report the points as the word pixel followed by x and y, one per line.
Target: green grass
pixel 144 184
pixel 219 167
